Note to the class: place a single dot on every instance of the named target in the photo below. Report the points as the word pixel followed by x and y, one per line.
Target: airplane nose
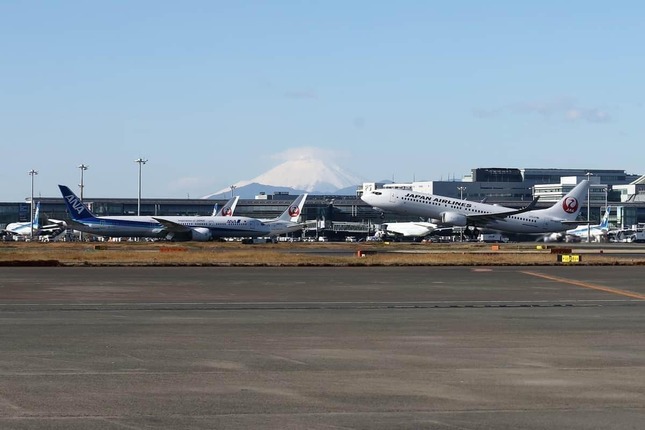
pixel 367 196
pixel 371 197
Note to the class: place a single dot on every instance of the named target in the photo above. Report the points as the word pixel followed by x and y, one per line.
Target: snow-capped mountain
pixel 306 173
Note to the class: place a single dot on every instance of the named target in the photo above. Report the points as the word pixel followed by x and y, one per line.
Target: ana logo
pixel 227 211
pixel 570 205
pixel 294 211
pixel 75 204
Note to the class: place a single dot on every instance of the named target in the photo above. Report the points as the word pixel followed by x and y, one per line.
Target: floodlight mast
pixel 32 173
pixel 141 161
pixel 83 168
pixel 589 174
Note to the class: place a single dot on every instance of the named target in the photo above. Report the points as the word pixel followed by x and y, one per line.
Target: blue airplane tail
pixel 37 217
pixel 77 210
pixel 604 224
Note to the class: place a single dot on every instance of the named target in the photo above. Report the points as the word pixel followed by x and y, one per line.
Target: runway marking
pixel 625 293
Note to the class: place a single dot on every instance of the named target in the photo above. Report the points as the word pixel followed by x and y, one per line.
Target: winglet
pixel 530 206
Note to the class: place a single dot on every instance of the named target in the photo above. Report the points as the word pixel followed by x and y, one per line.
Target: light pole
pixel 589 175
pixel 141 161
pixel 233 187
pixel 461 197
pixel 461 192
pixel 606 190
pixel 83 168
pixel 32 173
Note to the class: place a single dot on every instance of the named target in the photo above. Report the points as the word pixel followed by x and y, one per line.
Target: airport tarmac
pixel 322 347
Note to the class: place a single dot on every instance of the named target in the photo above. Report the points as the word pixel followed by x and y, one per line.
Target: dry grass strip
pixel 285 254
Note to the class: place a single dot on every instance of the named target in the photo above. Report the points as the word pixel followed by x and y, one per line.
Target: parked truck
pixel 492 238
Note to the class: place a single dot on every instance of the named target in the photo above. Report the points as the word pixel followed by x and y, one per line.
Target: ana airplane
pixel 26 229
pixel 199 228
pixel 463 213
pixel 287 222
pixel 581 233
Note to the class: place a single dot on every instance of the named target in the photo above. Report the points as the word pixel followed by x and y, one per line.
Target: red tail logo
pixel 570 205
pixel 227 211
pixel 294 211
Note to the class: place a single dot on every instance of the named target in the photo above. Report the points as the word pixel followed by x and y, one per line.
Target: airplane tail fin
pixel 77 210
pixel 604 224
pixel 569 206
pixel 228 208
pixel 293 211
pixel 36 225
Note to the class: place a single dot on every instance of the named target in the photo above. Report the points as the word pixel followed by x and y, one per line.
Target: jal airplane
pixel 228 208
pixel 287 222
pixel 198 228
pixel 462 213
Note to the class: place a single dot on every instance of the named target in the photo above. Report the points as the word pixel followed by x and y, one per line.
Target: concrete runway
pixel 323 348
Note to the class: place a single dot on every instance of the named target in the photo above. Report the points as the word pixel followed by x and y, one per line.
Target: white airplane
pixel 287 222
pixel 198 228
pixel 27 229
pixel 409 229
pixel 581 233
pixel 463 213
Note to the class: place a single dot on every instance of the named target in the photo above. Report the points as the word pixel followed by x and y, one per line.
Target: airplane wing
pixel 575 223
pixel 54 224
pixel 485 218
pixel 172 226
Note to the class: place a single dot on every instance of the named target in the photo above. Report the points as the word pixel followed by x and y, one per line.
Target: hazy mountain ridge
pixel 305 174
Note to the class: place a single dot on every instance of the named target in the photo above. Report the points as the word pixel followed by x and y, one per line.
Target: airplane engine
pixel 454 219
pixel 201 234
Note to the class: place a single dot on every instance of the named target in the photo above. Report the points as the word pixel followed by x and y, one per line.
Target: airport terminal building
pixel 338 216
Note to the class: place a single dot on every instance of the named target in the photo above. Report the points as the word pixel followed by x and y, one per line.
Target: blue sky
pixel 210 91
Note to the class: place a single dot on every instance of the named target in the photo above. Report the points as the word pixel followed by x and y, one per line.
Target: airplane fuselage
pixel 199 228
pixel 283 227
pixel 23 228
pixel 119 227
pixel 125 226
pixel 410 229
pixel 450 211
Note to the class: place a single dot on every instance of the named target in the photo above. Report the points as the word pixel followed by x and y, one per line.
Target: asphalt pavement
pixel 322 348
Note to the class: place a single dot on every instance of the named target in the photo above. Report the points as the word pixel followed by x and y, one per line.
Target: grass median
pixel 295 254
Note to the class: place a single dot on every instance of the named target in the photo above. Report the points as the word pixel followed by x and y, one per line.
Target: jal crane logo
pixel 227 211
pixel 570 205
pixel 294 211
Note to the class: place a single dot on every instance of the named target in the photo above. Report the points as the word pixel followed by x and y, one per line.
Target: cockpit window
pixel 378 193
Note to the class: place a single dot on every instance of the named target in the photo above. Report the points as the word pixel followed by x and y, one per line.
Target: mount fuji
pixel 305 173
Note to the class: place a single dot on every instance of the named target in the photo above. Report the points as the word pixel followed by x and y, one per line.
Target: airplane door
pixel 392 197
